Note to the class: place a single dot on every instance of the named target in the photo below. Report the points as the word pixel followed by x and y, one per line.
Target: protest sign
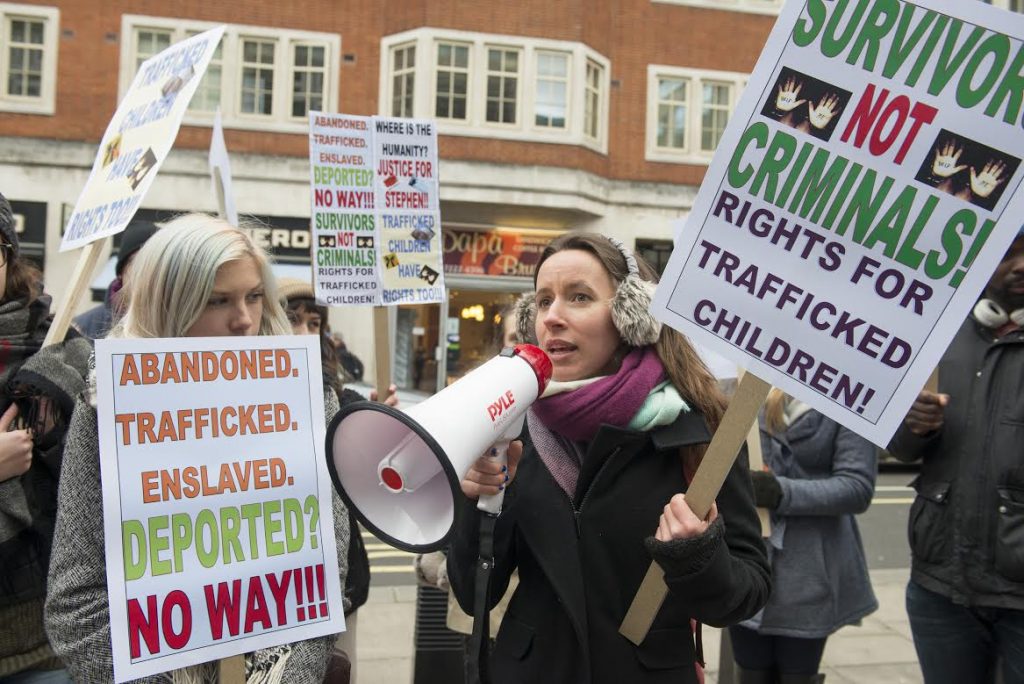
pixel 866 187
pixel 216 498
pixel 220 170
pixel 376 210
pixel 138 138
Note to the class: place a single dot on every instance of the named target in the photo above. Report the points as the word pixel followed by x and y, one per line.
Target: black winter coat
pixel 580 562
pixel 967 523
pixel 357 582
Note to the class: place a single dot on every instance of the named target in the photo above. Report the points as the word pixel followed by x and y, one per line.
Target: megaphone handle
pixel 491 503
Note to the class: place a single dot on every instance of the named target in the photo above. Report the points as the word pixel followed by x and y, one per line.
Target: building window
pixel 452 80
pixel 498 86
pixel 551 102
pixel 656 253
pixel 261 78
pixel 716 103
pixel 592 101
pixel 502 85
pixel 308 79
pixel 754 6
pixel 149 42
pixel 687 112
pixel 672 113
pixel 257 94
pixel 1012 5
pixel 207 97
pixel 403 70
pixel 28 58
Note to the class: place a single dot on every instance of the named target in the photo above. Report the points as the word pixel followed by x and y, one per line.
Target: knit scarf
pixel 636 397
pixel 265 666
pixel 22 330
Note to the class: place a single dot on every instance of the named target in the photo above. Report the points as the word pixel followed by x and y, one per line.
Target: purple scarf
pixel 559 422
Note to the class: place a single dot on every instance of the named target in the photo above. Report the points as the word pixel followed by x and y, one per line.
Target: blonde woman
pixel 197 277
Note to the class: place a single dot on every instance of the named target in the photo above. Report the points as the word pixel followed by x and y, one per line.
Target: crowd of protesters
pixel 595 489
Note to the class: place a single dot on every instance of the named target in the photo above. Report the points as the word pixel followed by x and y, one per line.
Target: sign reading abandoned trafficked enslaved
pixel 376 210
pixel 138 139
pixel 216 498
pixel 865 189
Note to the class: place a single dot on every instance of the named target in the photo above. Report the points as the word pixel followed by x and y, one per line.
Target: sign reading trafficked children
pixel 865 189
pixel 138 138
pixel 216 499
pixel 376 210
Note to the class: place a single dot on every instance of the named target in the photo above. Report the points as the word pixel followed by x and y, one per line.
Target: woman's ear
pixel 526 315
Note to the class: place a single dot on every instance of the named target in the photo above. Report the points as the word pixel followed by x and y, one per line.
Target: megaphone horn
pixel 400 472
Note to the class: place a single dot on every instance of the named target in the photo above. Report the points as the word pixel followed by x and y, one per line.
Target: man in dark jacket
pixel 966 593
pixel 97 321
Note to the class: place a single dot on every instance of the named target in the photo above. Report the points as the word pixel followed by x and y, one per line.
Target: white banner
pixel 867 185
pixel 216 498
pixel 138 139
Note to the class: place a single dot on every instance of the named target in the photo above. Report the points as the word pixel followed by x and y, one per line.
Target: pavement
pixel 879 650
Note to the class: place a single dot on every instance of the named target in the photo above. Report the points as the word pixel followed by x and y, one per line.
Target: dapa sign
pixel 866 187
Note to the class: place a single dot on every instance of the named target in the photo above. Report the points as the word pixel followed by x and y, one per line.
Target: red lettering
pixel 224 606
pixel 145 624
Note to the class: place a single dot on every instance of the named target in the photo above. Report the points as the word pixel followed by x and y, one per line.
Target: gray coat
pixel 77 608
pixel 819 576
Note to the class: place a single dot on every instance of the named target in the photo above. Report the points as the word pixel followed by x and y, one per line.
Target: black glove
pixel 767 490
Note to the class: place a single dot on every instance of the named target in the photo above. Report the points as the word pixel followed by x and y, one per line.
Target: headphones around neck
pixel 993 316
pixel 630 306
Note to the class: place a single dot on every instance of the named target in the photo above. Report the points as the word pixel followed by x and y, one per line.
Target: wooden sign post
pixel 87 260
pixel 756 460
pixel 718 460
pixel 382 351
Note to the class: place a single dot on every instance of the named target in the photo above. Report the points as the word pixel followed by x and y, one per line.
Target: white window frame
pixel 281 120
pixel 518 75
pixel 432 70
pixel 566 81
pixel 691 152
pixel 405 73
pixel 46 102
pixel 769 7
pixel 476 124
pixel 1008 5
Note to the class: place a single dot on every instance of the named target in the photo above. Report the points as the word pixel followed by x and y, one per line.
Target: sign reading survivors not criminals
pixel 866 187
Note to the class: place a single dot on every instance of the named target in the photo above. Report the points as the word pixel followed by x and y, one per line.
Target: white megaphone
pixel 399 472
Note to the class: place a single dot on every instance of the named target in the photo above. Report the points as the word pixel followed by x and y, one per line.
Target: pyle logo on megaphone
pixel 505 401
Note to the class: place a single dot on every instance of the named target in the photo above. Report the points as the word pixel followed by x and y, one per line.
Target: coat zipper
pixel 576 511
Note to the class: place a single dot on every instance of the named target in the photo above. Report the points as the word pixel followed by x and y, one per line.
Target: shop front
pixel 485 271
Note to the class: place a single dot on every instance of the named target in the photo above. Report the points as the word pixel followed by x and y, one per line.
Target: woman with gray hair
pixel 197 277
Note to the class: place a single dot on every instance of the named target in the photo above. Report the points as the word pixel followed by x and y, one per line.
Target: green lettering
pixel 817 185
pixel 230 527
pixel 133 545
pixel 831 44
pixel 775 161
pixel 271 527
pixel 937 265
pixel 890 228
pixel 294 525
pixel 206 528
pixel 908 254
pixel 901 47
pixel 738 177
pixel 873 32
pixel 998 46
pixel 158 543
pixel 806 31
pixel 1012 86
pixel 181 536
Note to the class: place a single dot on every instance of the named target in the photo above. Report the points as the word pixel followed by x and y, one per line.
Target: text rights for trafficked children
pixel 867 185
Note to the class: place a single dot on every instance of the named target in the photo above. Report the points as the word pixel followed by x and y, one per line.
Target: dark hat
pixel 134 236
pixel 7 225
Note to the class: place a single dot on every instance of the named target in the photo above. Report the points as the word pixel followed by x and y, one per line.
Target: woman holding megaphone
pixel 196 277
pixel 596 489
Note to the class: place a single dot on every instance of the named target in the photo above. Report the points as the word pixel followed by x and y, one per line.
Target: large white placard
pixel 216 498
pixel 138 139
pixel 864 190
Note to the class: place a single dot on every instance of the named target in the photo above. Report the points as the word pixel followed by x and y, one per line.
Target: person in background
pixel 37 390
pixel 965 598
pixel 307 317
pixel 97 321
pixel 197 277
pixel 596 490
pixel 818 476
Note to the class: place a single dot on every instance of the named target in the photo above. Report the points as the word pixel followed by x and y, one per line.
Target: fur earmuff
pixel 631 312
pixel 525 311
